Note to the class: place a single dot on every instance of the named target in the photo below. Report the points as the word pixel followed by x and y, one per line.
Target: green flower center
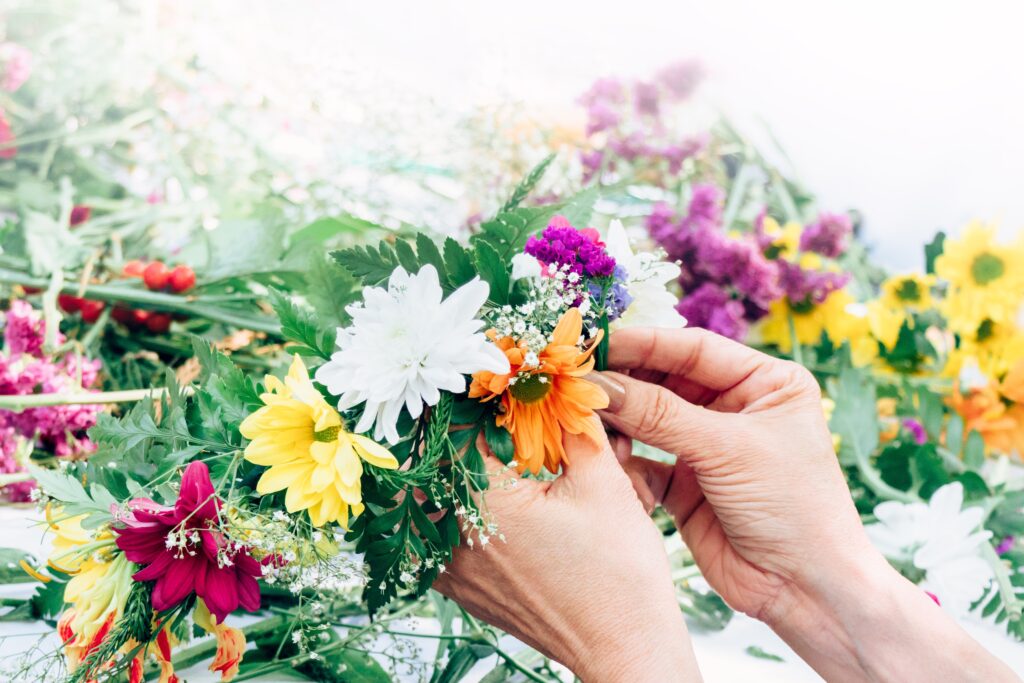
pixel 908 290
pixel 531 388
pixel 986 329
pixel 329 435
pixel 987 268
pixel 802 307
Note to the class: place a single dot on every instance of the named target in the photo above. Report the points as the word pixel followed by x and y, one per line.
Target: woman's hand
pixel 759 498
pixel 582 575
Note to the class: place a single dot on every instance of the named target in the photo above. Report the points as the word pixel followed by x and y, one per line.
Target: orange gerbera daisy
pixel 545 396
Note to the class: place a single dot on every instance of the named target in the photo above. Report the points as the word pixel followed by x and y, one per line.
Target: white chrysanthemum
pixel 653 305
pixel 405 345
pixel 942 539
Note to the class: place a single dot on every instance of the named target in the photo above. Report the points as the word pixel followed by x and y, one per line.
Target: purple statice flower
pixel 828 235
pixel 1005 545
pixel 808 286
pixel 591 162
pixel 682 78
pixel 25 329
pixel 646 98
pixel 603 102
pixel 711 307
pixel 618 297
pixel 629 147
pixel 675 155
pixel 563 245
pixel 917 430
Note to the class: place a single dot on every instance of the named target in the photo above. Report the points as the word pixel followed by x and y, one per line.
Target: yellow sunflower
pixel 309 453
pixel 986 278
pixel 809 321
pixel 785 239
pixel 994 348
pixel 545 399
pixel 911 291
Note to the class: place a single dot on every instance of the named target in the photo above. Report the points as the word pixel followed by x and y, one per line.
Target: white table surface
pixel 721 655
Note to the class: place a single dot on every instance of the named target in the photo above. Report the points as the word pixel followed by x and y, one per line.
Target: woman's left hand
pixel 581 575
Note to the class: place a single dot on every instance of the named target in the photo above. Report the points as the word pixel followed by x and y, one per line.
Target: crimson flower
pixel 183 550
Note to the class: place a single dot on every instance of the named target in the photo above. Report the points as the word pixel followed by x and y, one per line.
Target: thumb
pixel 658 417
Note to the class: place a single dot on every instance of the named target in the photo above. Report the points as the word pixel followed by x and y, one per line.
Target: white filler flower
pixel 942 539
pixel 405 345
pixel 653 305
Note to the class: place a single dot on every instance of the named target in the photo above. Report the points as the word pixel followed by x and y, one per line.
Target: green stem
pixel 191 305
pixel 16 404
pixel 798 352
pixel 1013 605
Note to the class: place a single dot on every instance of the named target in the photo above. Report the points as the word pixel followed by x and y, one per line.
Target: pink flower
pixel 184 551
pixel 16 62
pixel 6 136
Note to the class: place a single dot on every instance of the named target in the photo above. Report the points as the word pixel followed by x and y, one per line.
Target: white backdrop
pixel 909 111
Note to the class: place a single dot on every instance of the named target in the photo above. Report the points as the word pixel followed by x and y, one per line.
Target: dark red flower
pixel 184 551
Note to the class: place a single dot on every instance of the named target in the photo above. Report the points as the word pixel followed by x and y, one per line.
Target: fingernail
pixel 616 392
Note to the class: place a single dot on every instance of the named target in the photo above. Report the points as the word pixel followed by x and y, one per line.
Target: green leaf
pixel 494 271
pixel 458 262
pixel 300 326
pixel 755 651
pixel 526 185
pixel 974 450
pixel 372 266
pixel 323 229
pixel 10 569
pixel 462 660
pixel 407 257
pixel 65 487
pixel 928 471
pixel 955 434
pixel 578 209
pixel 499 441
pixel 932 250
pixel 423 524
pixel 428 252
pixel 329 289
pixel 243 246
pixel 855 416
pixel 975 487
pixel 894 464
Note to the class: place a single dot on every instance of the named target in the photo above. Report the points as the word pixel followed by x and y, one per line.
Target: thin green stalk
pixel 798 352
pixel 1013 605
pixel 16 404
pixel 191 305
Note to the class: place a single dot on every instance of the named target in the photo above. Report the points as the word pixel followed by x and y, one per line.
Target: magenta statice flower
pixel 646 97
pixel 1005 545
pixel 710 306
pixel 24 330
pixel 828 235
pixel 802 285
pixel 591 162
pixel 10 442
pixel 916 430
pixel 563 245
pixel 183 550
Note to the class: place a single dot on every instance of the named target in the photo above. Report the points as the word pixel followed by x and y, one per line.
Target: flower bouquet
pixel 204 502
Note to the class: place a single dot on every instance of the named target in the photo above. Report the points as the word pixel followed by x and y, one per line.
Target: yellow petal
pixel 373 453
pixel 347 464
pixel 281 477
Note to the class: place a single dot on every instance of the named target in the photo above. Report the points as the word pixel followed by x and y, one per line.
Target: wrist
pixel 861 620
pixel 647 648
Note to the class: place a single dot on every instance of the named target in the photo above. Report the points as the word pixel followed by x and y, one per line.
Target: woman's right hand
pixel 760 499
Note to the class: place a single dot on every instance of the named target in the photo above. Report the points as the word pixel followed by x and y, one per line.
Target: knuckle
pixel 657 414
pixel 800 379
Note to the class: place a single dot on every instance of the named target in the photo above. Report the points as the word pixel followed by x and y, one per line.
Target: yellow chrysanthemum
pixel 911 291
pixel 986 278
pixel 310 454
pixel 885 322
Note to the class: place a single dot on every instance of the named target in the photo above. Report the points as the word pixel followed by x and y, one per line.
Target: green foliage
pixel 372 266
pixel 499 441
pixel 75 498
pixel 495 271
pixel 932 251
pixel 855 418
pixel 329 289
pixel 10 570
pixel 527 184
pixel 755 651
pixel 300 326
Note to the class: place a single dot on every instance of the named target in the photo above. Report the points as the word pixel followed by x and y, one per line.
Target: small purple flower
pixel 645 98
pixel 808 286
pixel 828 235
pixel 25 330
pixel 601 117
pixel 711 307
pixel 618 298
pixel 629 147
pixel 682 78
pixel 1005 545
pixel 917 431
pixel 591 162
pixel 675 155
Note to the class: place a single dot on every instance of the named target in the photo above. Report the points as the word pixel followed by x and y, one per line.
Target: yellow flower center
pixel 987 268
pixel 328 435
pixel 531 388
pixel 908 290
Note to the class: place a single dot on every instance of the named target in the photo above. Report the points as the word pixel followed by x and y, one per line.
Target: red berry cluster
pixel 157 277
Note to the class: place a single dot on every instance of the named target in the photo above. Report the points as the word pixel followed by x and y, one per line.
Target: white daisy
pixel 940 538
pixel 405 345
pixel 647 276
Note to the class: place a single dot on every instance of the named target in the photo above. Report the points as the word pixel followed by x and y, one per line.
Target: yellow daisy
pixel 986 278
pixel 808 321
pixel 785 239
pixel 309 453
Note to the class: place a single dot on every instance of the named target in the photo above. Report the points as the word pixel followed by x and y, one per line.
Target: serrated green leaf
pixel 427 252
pixel 458 262
pixel 526 185
pixel 371 265
pixel 299 326
pixel 494 271
pixel 407 257
pixel 329 289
